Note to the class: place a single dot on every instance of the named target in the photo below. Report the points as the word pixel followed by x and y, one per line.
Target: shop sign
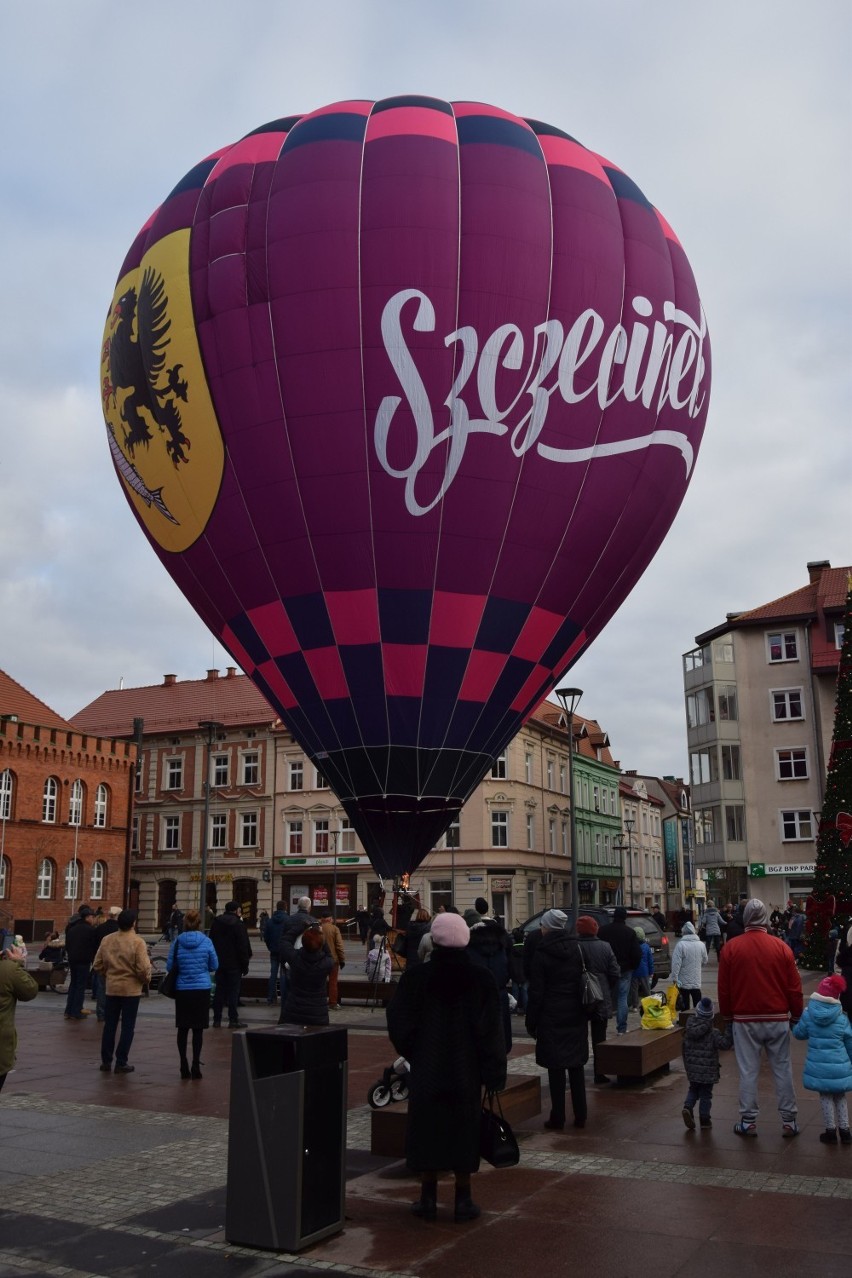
pixel 501 885
pixel 323 860
pixel 804 867
pixel 342 895
pixel 757 870
pixel 587 885
pixel 319 895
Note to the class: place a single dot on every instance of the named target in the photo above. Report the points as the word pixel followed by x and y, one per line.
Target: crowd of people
pixel 461 976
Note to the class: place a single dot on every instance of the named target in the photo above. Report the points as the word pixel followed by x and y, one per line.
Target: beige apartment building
pixel 275 830
pixel 760 694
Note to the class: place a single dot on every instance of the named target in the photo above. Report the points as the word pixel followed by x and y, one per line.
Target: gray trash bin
pixel 286 1137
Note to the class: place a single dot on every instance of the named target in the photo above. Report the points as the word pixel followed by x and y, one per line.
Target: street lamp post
pixel 334 837
pixel 569 699
pixel 211 727
pixel 629 823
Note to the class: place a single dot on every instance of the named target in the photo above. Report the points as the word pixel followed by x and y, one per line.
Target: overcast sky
pixel 734 118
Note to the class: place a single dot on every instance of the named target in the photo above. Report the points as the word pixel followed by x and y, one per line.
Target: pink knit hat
pixel 450 931
pixel 831 987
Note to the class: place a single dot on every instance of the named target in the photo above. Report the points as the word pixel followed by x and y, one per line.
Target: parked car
pixel 655 937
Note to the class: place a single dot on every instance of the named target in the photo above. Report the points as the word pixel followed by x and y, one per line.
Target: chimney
pixel 231 672
pixel 212 675
pixel 815 569
pixel 169 681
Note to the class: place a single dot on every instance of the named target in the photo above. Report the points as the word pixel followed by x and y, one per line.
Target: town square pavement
pixel 105 1174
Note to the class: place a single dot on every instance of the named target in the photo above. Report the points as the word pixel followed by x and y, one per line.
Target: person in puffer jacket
pixel 690 955
pixel 306 1002
pixel 828 1064
pixel 702 1043
pixel 196 960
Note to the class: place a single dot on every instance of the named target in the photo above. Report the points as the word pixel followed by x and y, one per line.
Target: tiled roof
pixel 591 740
pixel 16 700
pixel 176 707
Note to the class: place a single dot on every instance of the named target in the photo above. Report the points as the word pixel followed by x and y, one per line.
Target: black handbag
pixel 497 1144
pixel 590 987
pixel 168 984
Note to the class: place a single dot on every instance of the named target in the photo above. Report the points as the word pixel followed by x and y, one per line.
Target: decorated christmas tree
pixel 831 902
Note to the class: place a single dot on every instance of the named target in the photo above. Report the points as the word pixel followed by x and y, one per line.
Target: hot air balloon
pixel 405 395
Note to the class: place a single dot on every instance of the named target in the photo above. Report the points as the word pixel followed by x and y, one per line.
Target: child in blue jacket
pixel 640 983
pixel 828 1064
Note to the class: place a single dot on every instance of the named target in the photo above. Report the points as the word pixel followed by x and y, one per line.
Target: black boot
pixel 466 1208
pixel 196 1070
pixel 426 1206
pixel 184 1067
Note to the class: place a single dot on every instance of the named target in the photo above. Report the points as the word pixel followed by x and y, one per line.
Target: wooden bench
pixel 634 1056
pixel 521 1099
pixel 363 991
pixel 48 979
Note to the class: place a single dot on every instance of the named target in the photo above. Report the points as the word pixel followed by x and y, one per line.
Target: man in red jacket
pixel 760 991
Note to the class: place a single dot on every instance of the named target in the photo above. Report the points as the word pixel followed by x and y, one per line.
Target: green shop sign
pixel 757 870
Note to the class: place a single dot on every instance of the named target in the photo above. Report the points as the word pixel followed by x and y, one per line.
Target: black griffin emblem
pixel 135 354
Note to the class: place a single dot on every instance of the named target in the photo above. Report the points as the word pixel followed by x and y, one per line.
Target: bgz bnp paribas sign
pixel 759 870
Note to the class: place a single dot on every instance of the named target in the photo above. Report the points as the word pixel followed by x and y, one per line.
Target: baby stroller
pixel 392 1086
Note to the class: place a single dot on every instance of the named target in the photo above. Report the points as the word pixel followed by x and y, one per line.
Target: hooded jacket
pixel 196 959
pixel 306 1002
pixel 828 1064
pixel 690 955
pixel 273 930
pixel 702 1043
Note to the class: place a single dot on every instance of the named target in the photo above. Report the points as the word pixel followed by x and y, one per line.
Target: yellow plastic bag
pixel 656 1013
pixel 671 998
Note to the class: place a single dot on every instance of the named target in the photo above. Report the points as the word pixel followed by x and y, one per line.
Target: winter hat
pixel 554 919
pixel 481 905
pixel 705 1007
pixel 619 914
pixel 472 918
pixel 640 933
pixel 450 931
pixel 114 911
pixel 754 914
pixel 832 987
pixel 587 926
pixel 687 930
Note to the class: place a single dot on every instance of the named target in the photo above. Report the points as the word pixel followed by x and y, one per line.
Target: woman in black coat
pixel 417 928
pixel 307 988
pixel 445 1020
pixel 556 1018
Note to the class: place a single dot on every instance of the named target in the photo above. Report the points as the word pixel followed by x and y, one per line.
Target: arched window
pixel 98 880
pixel 5 795
pixel 101 796
pixel 75 805
pixel 44 883
pixel 72 881
pixel 5 875
pixel 51 794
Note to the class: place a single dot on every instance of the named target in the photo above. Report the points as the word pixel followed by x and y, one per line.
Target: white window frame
pixel 783 637
pixel 220 770
pixel 791 764
pixel 219 832
pixel 735 818
pixel 97 881
pixel 791 823
pixel 787 716
pixel 171 834
pixel 321 781
pixel 500 829
pixel 295 838
pixel 173 773
pixel 734 755
pixel 347 836
pixel 250 767
pixel 551 835
pixel 321 836
pixel 139 780
pixel 99 817
pixel 72 880
pixel 6 787
pixel 75 803
pixel 563 778
pixel 45 879
pixel 551 773
pixel 4 876
pixel 839 632
pixel 49 801
pixel 296 775
pixel 249 830
pixel 499 768
pixel 528 767
pixel 134 834
pixel 530 831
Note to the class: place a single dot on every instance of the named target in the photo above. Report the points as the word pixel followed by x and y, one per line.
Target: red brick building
pixel 65 801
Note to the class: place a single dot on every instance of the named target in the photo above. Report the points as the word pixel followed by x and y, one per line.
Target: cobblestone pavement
pixel 106 1175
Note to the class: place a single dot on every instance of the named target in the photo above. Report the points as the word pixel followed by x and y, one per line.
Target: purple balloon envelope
pixel 405 395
